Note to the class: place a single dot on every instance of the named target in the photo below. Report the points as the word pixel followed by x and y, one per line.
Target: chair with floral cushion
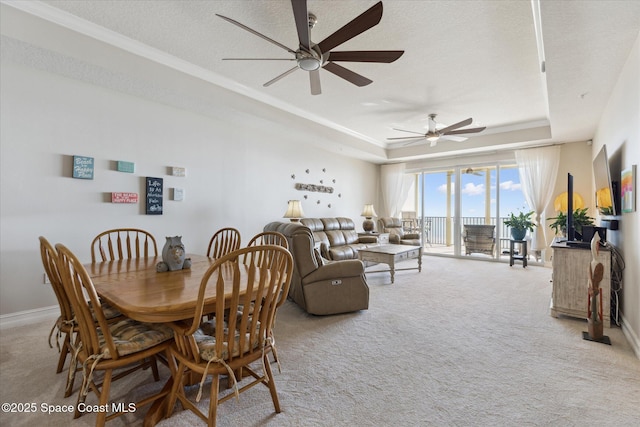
pixel 123 243
pixel 66 324
pixel 227 344
pixel 125 345
pixel 223 241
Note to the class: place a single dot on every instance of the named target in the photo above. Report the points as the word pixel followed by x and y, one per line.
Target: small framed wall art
pixel 628 189
pixel 83 167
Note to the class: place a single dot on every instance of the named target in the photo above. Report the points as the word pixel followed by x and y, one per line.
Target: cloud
pixel 473 190
pixel 510 185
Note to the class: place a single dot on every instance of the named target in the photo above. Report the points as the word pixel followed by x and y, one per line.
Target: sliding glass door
pixel 462 209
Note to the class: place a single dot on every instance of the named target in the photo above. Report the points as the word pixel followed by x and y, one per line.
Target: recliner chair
pixel 393 226
pixel 319 286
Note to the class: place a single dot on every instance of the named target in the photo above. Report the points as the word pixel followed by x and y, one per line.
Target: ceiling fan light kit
pixel 311 56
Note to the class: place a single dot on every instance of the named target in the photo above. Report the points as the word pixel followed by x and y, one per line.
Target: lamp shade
pixel 603 198
pixel 294 210
pixel 368 211
pixel 560 203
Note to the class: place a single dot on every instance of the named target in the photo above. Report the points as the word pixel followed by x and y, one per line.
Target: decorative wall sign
pixel 628 189
pixel 154 195
pixel 178 194
pixel 83 167
pixel 176 171
pixel 122 166
pixel 312 187
pixel 124 197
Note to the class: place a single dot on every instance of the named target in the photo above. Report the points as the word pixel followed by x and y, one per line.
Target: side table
pixel 515 255
pixel 383 238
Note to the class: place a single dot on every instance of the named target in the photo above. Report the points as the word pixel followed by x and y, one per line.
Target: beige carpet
pixel 463 343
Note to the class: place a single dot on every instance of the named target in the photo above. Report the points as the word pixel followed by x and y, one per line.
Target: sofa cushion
pixel 336 238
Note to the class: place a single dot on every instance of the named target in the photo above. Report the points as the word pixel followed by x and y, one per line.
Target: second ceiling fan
pixel 313 56
pixel 434 134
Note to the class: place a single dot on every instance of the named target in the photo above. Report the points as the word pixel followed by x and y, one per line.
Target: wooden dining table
pixel 137 290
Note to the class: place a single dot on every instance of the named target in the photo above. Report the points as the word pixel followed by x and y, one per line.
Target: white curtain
pixel 395 184
pixel 538 168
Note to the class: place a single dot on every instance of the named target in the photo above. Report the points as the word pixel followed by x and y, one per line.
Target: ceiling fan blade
pixel 406 137
pixel 453 138
pixel 314 81
pixel 410 131
pixel 358 25
pixel 463 131
pixel 258 59
pixel 346 74
pixel 301 16
pixel 455 126
pixel 254 32
pixel 286 73
pixel 386 56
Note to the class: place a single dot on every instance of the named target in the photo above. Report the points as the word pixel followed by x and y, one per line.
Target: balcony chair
pixel 479 238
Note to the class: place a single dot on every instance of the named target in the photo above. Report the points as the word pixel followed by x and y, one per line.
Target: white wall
pixel 619 129
pixel 238 171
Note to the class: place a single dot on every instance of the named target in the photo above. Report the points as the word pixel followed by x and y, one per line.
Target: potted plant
pixel 580 218
pixel 520 224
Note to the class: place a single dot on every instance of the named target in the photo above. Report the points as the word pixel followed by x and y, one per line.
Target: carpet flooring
pixel 463 343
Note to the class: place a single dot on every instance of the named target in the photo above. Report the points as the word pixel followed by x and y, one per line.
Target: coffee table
pixel 390 254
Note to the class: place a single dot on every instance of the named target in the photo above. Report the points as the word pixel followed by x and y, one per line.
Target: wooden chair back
pixel 66 325
pixel 239 334
pixel 50 262
pixel 86 304
pixel 224 241
pixel 269 238
pixel 123 243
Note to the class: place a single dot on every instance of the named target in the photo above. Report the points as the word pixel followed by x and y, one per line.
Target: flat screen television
pixel 571 232
pixel 606 194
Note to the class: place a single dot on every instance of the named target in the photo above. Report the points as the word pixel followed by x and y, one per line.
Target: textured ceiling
pixel 462 59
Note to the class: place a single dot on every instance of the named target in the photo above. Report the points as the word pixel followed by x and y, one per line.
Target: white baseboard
pixel 28 317
pixel 631 336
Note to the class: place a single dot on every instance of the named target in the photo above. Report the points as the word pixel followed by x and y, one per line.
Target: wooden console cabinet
pixel 571 278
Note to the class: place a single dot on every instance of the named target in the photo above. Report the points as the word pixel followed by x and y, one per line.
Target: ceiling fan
pixel 435 133
pixel 312 56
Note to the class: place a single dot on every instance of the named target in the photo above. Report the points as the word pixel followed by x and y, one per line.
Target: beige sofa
pixel 337 238
pixel 318 286
pixel 393 226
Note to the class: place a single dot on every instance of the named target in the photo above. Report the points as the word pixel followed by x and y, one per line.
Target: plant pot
pixel 594 329
pixel 518 234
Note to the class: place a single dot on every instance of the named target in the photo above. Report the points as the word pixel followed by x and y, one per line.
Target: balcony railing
pixel 435 230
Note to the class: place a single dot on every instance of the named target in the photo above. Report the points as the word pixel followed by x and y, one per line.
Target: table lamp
pixel 560 203
pixel 294 211
pixel 368 212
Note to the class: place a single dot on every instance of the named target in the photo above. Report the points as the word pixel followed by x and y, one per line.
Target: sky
pixel 474 193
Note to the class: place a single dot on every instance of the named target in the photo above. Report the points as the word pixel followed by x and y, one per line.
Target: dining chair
pixel 223 241
pixel 123 243
pixel 66 324
pixel 271 238
pixel 125 346
pixel 238 335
